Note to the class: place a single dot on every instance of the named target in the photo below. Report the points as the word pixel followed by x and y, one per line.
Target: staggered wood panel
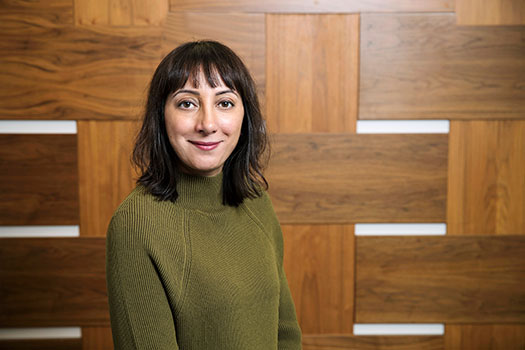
pixel 243 33
pixel 490 12
pixel 97 338
pixel 47 282
pixel 349 342
pixel 51 70
pixel 42 344
pixel 313 6
pixel 451 279
pixel 318 261
pixel 486 195
pixel 38 180
pixel 106 175
pixel 489 336
pixel 486 190
pixel 92 61
pixel 120 12
pixel 338 178
pixel 424 66
pixel 312 73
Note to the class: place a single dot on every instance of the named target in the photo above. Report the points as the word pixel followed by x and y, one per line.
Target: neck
pixel 200 192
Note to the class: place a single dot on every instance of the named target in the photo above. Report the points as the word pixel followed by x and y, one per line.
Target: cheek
pixel 232 125
pixel 175 127
pixel 232 128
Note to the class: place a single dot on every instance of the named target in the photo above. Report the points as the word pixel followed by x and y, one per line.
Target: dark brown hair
pixel 153 153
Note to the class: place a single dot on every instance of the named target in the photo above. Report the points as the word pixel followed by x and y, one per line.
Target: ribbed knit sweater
pixel 195 274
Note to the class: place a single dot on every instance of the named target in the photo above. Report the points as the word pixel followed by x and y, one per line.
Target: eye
pixel 186 104
pixel 226 104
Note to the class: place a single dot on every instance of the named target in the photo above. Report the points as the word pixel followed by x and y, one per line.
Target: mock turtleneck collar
pixel 200 192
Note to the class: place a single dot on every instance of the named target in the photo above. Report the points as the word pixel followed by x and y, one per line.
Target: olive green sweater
pixel 196 274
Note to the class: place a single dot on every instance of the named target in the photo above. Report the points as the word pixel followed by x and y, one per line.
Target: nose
pixel 207 123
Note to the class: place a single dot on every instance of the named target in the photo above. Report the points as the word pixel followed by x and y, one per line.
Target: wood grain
pixel 319 264
pixel 351 342
pixel 106 175
pixel 490 12
pixel 313 6
pixel 41 344
pixel 451 279
pixel 53 282
pixel 97 338
pixel 38 180
pixel 486 190
pixel 91 12
pixel 51 70
pixel 16 14
pixel 120 12
pixel 426 67
pixel 338 178
pixel 243 33
pixel 312 73
pixel 479 337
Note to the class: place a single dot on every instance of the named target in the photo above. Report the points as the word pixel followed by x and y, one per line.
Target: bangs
pixel 216 69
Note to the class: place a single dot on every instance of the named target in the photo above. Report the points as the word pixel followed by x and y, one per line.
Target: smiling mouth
pixel 205 146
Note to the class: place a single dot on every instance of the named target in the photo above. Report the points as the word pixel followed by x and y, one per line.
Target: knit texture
pixel 197 274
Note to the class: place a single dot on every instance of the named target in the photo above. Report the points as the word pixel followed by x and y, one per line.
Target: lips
pixel 205 146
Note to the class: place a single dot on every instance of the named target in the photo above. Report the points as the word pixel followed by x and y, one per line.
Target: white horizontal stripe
pixel 40 333
pixel 399 329
pixel 403 126
pixel 38 127
pixel 437 229
pixel 39 231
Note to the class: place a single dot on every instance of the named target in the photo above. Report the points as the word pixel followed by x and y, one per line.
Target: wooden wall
pixel 321 68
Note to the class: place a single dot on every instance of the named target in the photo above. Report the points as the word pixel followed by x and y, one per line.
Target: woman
pixel 194 253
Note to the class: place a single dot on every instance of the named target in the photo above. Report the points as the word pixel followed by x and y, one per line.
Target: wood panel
pixel 16 14
pixel 486 191
pixel 350 342
pixel 338 178
pixel 48 282
pixel 120 12
pixel 425 67
pixel 314 6
pixel 50 70
pixel 319 264
pixel 480 337
pixel 97 338
pixel 312 79
pixel 41 344
pixel 243 33
pixel 451 279
pixel 490 12
pixel 106 175
pixel 38 180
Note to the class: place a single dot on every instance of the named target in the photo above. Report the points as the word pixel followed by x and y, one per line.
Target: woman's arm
pixel 289 331
pixel 141 317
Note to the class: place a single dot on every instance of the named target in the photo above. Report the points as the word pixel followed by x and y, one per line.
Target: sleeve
pixel 289 330
pixel 140 314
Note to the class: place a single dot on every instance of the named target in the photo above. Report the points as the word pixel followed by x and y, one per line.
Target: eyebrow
pixel 196 93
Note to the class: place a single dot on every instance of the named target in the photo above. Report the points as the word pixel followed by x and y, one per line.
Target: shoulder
pixel 138 203
pixel 140 218
pixel 262 210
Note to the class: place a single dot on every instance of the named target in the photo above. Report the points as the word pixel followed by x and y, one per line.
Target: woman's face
pixel 203 125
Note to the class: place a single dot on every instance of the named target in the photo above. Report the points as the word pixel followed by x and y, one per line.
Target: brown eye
pixel 186 104
pixel 226 104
